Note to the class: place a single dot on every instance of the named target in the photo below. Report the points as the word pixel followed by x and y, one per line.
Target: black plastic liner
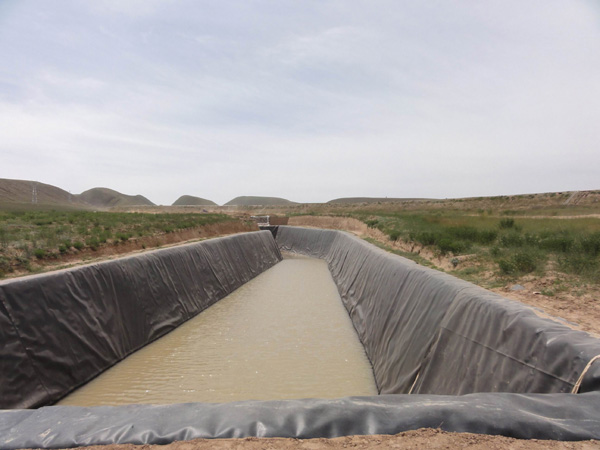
pixel 426 332
pixel 61 329
pixel 542 416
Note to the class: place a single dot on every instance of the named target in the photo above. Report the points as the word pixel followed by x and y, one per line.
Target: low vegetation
pixel 512 246
pixel 28 237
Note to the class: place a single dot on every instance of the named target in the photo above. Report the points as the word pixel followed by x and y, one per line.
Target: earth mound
pixel 190 200
pixel 259 201
pixel 106 198
pixel 371 200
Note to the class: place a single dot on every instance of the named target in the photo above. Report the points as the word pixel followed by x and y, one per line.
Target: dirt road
pixel 416 439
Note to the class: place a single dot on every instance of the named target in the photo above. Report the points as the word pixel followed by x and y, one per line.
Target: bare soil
pixel 415 439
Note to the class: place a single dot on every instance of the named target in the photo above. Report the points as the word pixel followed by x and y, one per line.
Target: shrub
pixel 558 243
pixel 425 238
pixel 531 239
pixel 447 245
pixel 122 236
pixel 506 266
pixel 512 239
pixel 372 223
pixel 92 243
pixel 590 244
pixel 472 234
pixel 78 245
pixel 464 232
pixel 580 264
pixel 3 236
pixel 39 253
pixel 4 266
pixel 487 236
pixel 519 263
pixel 394 235
pixel 524 262
pixel 507 223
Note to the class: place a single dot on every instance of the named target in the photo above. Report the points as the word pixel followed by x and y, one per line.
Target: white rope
pixel 579 381
pixel 414 383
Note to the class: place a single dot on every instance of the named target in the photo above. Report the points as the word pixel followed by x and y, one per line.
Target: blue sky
pixel 308 100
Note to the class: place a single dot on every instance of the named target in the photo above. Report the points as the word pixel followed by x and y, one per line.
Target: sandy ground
pixel 578 311
pixel 416 439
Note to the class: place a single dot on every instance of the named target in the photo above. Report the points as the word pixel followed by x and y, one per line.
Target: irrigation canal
pixel 283 335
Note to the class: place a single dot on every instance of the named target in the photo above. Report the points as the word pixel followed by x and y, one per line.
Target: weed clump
pixel 372 223
pixel 519 263
pixel 448 245
pixel 5 266
pixel 93 243
pixel 394 235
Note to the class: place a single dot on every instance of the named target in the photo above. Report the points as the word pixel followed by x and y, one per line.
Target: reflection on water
pixel 283 335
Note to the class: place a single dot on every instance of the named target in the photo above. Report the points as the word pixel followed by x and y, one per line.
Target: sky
pixel 307 100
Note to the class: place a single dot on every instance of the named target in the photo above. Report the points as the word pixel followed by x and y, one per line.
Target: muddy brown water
pixel 283 335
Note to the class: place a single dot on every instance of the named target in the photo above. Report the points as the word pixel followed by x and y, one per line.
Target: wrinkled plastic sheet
pixel 423 330
pixel 427 332
pixel 543 416
pixel 61 329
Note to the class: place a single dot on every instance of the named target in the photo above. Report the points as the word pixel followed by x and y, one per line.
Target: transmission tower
pixel 34 194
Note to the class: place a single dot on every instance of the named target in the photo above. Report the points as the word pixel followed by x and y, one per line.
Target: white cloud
pixel 133 8
pixel 309 101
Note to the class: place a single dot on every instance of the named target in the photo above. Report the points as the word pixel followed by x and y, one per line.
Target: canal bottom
pixel 283 335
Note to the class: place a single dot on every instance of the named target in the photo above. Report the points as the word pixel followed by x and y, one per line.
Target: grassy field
pixel 506 245
pixel 29 237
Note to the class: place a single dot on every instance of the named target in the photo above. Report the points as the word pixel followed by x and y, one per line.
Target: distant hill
pixel 262 201
pixel 25 192
pixel 371 200
pixel 190 200
pixel 106 198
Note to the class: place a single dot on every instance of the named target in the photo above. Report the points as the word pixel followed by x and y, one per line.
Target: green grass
pixel 513 246
pixel 27 236
pixel 412 256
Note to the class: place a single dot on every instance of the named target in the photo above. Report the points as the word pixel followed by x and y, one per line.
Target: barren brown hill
pixel 20 193
pixel 190 200
pixel 106 198
pixel 371 200
pixel 260 201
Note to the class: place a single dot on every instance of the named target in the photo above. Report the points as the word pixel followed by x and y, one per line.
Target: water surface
pixel 283 335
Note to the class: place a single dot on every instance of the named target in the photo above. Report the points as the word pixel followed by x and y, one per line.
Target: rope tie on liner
pixel 580 380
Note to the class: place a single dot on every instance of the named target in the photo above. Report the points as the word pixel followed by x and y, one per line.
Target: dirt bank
pixel 423 438
pixel 580 310
pixel 139 244
pixel 360 229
